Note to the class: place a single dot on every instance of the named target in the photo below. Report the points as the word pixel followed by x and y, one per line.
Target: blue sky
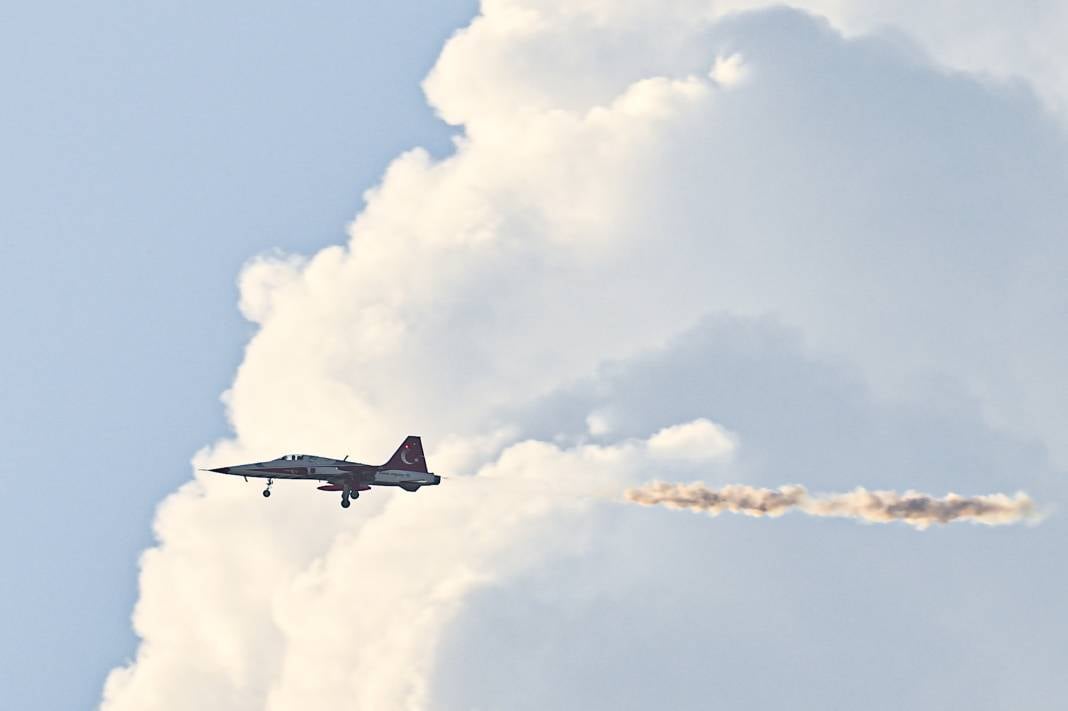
pixel 149 150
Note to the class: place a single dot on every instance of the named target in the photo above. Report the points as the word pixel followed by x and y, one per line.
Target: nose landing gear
pixel 267 491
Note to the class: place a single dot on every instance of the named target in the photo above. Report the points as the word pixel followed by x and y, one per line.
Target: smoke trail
pixel 914 508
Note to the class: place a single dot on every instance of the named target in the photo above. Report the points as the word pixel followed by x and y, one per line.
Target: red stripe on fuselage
pixel 338 487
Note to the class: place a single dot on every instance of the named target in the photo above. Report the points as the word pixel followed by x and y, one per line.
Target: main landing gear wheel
pixel 346 495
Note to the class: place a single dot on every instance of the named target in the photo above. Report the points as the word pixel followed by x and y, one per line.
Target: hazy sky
pixel 722 242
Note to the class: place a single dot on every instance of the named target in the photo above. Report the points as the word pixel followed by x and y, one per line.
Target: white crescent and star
pixel 404 457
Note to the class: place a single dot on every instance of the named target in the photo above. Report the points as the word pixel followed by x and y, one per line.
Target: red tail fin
pixel 408 457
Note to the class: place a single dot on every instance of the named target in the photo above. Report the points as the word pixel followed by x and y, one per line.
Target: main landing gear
pixel 346 495
pixel 267 491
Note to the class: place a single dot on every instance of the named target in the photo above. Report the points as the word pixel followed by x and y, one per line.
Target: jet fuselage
pixel 406 469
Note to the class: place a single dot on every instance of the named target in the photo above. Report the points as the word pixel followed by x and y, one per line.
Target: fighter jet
pixel 406 469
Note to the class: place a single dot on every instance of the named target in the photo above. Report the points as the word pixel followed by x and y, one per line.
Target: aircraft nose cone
pixel 221 470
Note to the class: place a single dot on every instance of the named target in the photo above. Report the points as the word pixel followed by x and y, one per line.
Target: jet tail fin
pixel 408 457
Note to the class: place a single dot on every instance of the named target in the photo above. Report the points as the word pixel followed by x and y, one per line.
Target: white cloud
pixel 533 42
pixel 649 203
pixel 728 70
pixel 700 440
pixel 1018 42
pixel 279 607
pixel 615 184
pixel 598 423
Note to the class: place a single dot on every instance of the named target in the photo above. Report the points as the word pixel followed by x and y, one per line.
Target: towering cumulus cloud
pixel 672 242
pixel 913 508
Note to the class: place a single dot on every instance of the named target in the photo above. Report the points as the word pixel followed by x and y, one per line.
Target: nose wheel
pixel 267 491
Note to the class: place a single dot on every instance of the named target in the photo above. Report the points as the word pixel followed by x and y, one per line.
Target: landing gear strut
pixel 267 491
pixel 346 495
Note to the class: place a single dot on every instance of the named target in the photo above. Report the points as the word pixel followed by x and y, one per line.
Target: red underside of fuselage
pixel 337 487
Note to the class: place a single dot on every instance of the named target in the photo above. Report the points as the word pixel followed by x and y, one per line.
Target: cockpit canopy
pixel 292 457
